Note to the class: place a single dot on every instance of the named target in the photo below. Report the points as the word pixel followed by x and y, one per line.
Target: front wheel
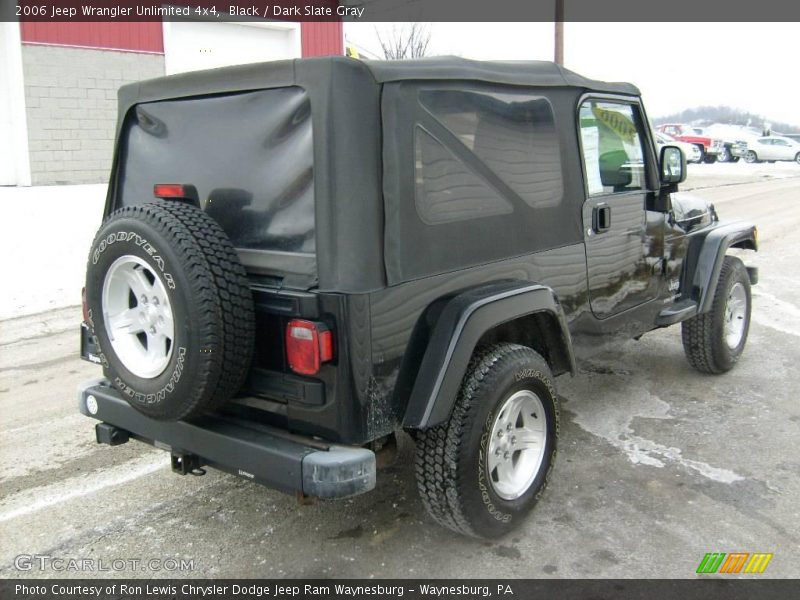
pixel 714 341
pixel 724 155
pixel 750 157
pixel 480 473
pixel 797 158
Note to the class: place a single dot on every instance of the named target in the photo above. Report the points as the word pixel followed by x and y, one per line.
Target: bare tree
pixel 406 41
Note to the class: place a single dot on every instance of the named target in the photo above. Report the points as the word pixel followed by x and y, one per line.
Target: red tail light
pixel 170 190
pixel 84 306
pixel 308 345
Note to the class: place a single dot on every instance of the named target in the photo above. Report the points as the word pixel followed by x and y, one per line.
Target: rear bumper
pixel 263 454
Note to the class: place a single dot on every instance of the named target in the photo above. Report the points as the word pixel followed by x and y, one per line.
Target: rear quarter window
pixel 495 145
pixel 476 173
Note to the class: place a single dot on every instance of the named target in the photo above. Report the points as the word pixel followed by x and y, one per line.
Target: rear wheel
pixel 714 341
pixel 482 472
pixel 170 308
pixel 710 159
pixel 724 155
pixel 797 158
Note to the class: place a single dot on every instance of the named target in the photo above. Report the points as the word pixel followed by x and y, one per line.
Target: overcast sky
pixel 751 66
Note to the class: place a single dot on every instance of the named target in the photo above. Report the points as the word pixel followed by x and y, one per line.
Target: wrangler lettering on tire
pixel 172 312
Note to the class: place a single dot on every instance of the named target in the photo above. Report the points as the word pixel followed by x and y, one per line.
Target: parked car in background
pixel 773 148
pixel 734 140
pixel 690 151
pixel 709 148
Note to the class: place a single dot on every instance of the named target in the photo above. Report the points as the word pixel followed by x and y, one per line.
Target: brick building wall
pixel 71 99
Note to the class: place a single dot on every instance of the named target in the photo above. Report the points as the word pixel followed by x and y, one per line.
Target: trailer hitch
pixel 185 463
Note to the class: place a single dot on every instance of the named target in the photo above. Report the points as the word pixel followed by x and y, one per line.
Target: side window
pixel 447 190
pixel 613 151
pixel 497 146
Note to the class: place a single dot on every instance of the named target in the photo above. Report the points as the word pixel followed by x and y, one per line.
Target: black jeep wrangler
pixel 301 258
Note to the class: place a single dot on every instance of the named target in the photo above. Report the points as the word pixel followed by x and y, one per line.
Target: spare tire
pixel 170 308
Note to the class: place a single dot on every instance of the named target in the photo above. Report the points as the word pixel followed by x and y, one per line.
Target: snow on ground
pixel 703 176
pixel 45 233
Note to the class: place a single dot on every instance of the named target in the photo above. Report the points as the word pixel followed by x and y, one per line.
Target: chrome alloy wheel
pixel 516 444
pixel 138 317
pixel 735 314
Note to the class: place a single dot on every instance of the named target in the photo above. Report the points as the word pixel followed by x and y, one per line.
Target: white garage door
pixel 194 45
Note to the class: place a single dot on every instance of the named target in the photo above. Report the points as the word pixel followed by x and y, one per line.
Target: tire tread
pixel 220 291
pixel 439 448
pixel 698 334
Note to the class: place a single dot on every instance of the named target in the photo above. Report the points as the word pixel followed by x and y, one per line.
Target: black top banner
pixel 402 10
pixel 369 589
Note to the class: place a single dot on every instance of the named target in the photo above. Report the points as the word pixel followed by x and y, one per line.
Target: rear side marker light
pixel 308 345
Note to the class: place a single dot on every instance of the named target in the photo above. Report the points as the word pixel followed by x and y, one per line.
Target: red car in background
pixel 709 148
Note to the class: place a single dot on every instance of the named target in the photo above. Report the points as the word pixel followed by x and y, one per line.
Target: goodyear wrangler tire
pixel 171 310
pixel 482 472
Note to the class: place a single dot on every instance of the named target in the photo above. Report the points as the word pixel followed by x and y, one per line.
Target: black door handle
pixel 601 218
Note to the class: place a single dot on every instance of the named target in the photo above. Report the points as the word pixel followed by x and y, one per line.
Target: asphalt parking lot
pixel 658 464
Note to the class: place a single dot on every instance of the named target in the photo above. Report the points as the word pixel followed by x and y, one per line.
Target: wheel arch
pixel 448 333
pixel 706 261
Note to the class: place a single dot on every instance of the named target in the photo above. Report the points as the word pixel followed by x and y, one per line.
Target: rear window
pixel 250 156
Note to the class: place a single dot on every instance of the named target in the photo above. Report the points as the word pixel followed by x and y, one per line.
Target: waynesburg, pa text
pixel 260 591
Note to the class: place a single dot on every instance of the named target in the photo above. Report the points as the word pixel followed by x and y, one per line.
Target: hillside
pixel 705 115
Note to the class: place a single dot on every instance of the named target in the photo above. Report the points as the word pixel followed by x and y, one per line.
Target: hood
pixel 692 212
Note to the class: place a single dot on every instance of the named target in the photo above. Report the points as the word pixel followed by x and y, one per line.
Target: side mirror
pixel 673 166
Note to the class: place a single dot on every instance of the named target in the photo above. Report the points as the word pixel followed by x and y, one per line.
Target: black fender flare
pixel 708 264
pixel 461 321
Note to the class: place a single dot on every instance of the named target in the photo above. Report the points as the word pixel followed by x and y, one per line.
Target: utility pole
pixel 559 33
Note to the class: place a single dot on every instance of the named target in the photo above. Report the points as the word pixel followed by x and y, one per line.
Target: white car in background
pixel 690 151
pixel 772 148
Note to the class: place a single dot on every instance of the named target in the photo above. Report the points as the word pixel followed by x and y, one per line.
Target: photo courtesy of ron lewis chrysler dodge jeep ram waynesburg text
pixel 301 258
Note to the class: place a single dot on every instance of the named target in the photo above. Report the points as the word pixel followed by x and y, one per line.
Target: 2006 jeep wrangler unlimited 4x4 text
pixel 301 258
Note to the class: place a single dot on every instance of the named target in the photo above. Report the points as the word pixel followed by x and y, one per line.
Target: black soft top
pixel 294 72
pixel 351 207
pixel 509 72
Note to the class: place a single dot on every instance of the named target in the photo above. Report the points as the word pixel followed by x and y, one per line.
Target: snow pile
pixel 45 233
